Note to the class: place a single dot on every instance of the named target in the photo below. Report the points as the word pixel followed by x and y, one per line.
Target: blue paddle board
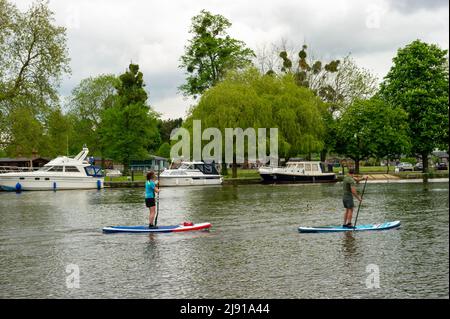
pixel 331 229
pixel 159 229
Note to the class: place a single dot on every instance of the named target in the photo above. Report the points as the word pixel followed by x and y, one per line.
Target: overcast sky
pixel 104 36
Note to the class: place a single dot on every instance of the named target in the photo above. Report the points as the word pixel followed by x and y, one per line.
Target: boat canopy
pixel 208 169
pixel 205 168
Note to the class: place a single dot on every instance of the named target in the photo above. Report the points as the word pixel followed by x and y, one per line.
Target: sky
pixel 104 36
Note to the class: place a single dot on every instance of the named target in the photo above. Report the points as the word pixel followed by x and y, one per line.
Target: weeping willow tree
pixel 249 99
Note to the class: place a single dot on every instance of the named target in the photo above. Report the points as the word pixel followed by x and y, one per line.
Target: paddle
pixel 359 206
pixel 157 200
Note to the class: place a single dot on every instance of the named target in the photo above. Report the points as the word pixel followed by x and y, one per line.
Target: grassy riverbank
pixel 248 174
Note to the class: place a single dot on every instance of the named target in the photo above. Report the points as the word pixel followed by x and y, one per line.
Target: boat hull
pixel 287 178
pixel 189 181
pixel 53 183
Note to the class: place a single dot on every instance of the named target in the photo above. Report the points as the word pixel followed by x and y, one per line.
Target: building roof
pixel 158 158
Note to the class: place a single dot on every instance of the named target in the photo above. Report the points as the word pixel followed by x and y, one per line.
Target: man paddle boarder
pixel 150 190
pixel 349 188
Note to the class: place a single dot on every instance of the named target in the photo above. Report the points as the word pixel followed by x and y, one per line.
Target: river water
pixel 253 249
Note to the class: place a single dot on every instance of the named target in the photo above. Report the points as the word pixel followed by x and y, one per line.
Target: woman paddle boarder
pixel 349 188
pixel 150 189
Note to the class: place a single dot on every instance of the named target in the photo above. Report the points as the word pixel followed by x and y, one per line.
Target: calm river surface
pixel 253 249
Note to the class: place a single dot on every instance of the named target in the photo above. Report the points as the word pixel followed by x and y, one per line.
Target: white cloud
pixel 170 107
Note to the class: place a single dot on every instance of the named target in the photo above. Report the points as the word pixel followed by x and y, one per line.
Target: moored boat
pixel 191 173
pixel 297 172
pixel 60 173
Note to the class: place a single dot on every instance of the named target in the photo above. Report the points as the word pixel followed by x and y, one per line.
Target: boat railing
pixel 13 169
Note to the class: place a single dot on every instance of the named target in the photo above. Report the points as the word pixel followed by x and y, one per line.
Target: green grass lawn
pixel 244 173
pixel 137 177
pixel 368 169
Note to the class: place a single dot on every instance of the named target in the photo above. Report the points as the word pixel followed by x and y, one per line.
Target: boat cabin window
pixel 56 169
pixel 315 167
pixel 186 166
pixel 308 167
pixel 72 169
pixel 93 171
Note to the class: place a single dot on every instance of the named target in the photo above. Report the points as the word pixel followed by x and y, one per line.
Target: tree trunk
pixel 425 162
pixel 223 166
pixel 234 168
pixel 387 172
pixel 323 155
pixel 357 166
pixel 223 169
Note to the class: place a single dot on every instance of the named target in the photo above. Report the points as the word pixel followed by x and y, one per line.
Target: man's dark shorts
pixel 348 202
pixel 150 202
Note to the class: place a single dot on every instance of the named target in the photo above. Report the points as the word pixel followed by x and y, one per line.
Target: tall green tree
pixel 210 53
pixel 418 83
pixel 372 128
pixel 129 127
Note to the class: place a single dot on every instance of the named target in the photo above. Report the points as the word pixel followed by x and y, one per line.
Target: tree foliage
pixel 33 53
pixel 372 128
pixel 165 128
pixel 164 150
pixel 418 83
pixel 25 133
pixel 210 53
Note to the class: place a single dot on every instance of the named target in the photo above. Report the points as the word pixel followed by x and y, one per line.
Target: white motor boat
pixel 299 172
pixel 60 173
pixel 191 173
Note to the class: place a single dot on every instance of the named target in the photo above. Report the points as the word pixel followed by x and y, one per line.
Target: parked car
pixel 402 167
pixel 441 166
pixel 418 166
pixel 113 173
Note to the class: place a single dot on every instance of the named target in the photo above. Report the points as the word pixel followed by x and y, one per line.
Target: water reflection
pixel 349 244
